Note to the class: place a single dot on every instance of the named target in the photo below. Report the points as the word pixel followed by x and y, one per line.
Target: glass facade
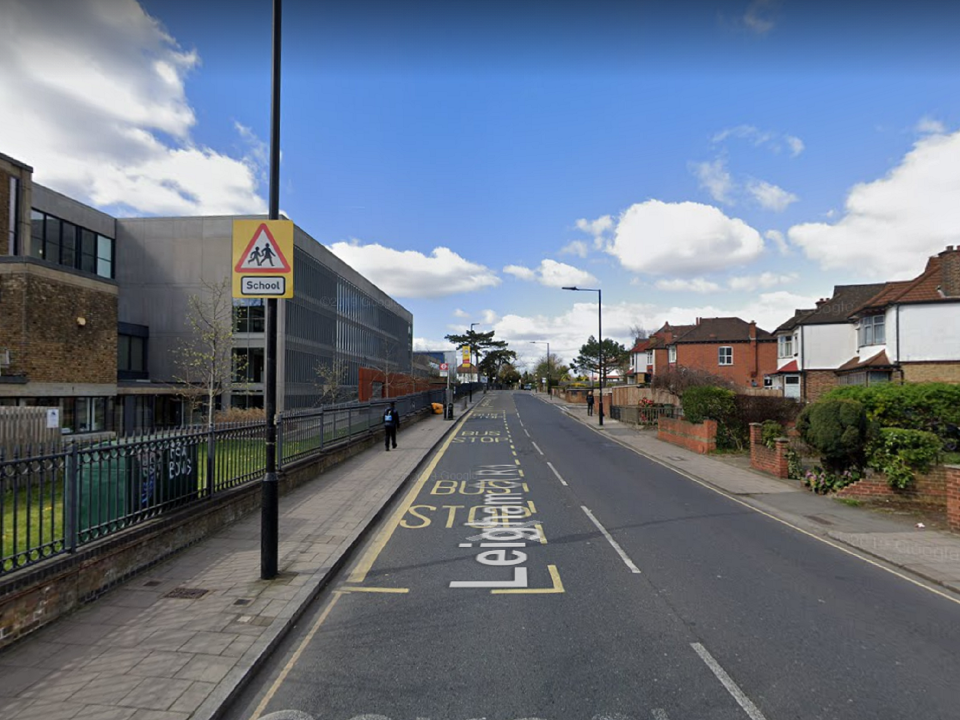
pixel 63 243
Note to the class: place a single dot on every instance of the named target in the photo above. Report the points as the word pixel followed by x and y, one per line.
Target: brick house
pixel 728 347
pixel 651 354
pixel 898 331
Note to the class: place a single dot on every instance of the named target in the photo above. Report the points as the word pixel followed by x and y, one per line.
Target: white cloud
pixel 928 125
pixel 715 179
pixel 764 280
pixel 421 344
pixel 770 196
pixel 597 228
pixel 461 313
pixel 92 96
pixel 576 247
pixel 411 274
pixel 891 225
pixel 682 239
pixel 796 145
pixel 552 274
pixel 761 138
pixel 520 272
pixel 489 317
pixel 777 238
pixel 697 285
pixel 758 16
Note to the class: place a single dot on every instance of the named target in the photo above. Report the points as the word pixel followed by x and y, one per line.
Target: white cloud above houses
pixel 890 226
pixel 759 16
pixel 575 247
pixel 769 196
pixel 763 281
pixel 551 273
pixel 411 274
pixel 715 179
pixel 682 239
pixel 696 285
pixel 460 313
pixel 778 239
pixel 114 129
pixel 774 141
pixel 597 228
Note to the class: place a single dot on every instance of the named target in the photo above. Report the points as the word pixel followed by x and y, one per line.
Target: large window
pixel 64 243
pixel 248 364
pixel 725 355
pixel 873 330
pixel 672 354
pixel 785 346
pixel 248 315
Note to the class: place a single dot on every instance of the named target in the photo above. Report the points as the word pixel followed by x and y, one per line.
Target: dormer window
pixel 873 330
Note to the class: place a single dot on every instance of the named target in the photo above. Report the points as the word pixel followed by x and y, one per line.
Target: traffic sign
pixel 262 259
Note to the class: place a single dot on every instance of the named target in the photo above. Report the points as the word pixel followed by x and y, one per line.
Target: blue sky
pixel 689 158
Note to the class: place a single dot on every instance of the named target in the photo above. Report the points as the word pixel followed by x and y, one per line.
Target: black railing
pixel 56 500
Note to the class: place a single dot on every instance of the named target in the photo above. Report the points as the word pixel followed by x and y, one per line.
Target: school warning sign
pixel 262 259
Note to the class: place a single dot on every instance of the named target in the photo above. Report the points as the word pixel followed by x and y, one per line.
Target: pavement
pixel 138 653
pixel 895 542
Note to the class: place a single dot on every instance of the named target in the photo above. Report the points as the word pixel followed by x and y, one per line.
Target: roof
pixel 846 299
pixel 641 346
pixel 923 288
pixel 726 329
pixel 798 315
pixel 790 367
pixel 880 360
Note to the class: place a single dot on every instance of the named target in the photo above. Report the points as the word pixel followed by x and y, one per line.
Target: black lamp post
pixel 549 366
pixel 600 330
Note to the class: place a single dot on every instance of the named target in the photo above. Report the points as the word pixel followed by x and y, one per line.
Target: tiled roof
pixel 845 301
pixel 923 288
pixel 726 329
pixel 790 324
pixel 880 360
pixel 790 367
pixel 641 346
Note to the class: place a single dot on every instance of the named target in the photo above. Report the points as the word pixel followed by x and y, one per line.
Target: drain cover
pixel 242 601
pixel 151 583
pixel 187 593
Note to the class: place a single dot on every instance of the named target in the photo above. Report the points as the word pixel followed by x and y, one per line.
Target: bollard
pixel 449 413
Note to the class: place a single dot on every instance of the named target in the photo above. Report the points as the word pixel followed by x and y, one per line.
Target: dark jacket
pixel 391 418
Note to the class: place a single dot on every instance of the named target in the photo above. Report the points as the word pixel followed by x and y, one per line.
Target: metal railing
pixel 53 499
pixel 644 415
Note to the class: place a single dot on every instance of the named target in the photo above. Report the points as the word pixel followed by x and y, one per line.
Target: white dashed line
pixel 623 556
pixel 562 481
pixel 659 714
pixel 748 707
pixel 537 448
pixel 526 431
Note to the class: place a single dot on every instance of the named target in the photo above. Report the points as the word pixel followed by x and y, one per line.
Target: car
pixel 528 386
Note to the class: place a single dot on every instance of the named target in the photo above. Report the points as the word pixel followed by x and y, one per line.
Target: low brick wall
pixel 763 458
pixel 39 595
pixel 929 489
pixel 701 438
pixel 953 496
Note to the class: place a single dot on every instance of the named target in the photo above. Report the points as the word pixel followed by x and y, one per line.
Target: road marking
pixel 537 447
pixel 374 589
pixel 562 481
pixel 294 658
pixel 527 432
pixel 748 707
pixel 659 714
pixel 359 573
pixel 557 586
pixel 623 556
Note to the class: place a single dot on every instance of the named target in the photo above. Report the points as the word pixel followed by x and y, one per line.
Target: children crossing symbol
pixel 263 254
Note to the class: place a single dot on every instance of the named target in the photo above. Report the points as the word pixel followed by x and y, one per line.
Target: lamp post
pixel 600 331
pixel 475 354
pixel 549 366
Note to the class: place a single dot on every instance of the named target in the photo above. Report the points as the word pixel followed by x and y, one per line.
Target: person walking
pixel 391 422
pixel 590 403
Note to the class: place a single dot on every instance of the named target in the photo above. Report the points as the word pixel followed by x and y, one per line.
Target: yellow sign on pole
pixel 262 259
pixel 466 355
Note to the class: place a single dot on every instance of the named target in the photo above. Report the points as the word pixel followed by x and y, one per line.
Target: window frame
pixel 785 346
pixel 721 354
pixel 43 245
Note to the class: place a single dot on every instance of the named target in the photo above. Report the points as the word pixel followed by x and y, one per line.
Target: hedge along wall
pixel 930 489
pixel 773 461
pixel 701 438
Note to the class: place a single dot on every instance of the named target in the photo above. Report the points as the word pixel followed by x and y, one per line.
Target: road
pixel 538 570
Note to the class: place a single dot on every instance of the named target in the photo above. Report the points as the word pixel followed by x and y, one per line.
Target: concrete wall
pixel 65 208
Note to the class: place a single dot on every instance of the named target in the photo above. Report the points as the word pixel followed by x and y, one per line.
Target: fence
pixel 644 414
pixel 52 502
pixel 23 426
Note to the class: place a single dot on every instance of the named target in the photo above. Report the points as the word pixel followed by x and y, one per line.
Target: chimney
pixel 950 271
pixel 753 330
pixel 822 301
pixel 698 321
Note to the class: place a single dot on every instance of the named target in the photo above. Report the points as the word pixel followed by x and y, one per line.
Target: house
pixel 651 354
pixel 898 331
pixel 727 347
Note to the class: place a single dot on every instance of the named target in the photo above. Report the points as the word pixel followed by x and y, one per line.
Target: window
pixel 873 330
pixel 248 364
pixel 64 243
pixel 649 357
pixel 672 353
pixel 725 355
pixel 767 381
pixel 249 315
pixel 785 346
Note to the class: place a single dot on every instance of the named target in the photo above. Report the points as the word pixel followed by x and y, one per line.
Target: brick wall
pixel 818 382
pixel 40 308
pixel 953 496
pixel 763 458
pixel 931 372
pixel 701 438
pixel 930 489
pixel 745 368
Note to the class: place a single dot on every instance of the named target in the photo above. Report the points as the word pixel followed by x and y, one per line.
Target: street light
pixel 475 353
pixel 549 366
pixel 600 331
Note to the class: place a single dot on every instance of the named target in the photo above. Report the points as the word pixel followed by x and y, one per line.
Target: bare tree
pixel 331 379
pixel 638 333
pixel 205 361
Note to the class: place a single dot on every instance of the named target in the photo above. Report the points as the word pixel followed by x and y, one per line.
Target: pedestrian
pixel 391 421
pixel 590 402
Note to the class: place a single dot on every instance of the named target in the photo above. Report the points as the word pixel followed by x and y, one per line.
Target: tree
pixel 508 375
pixel 614 354
pixel 494 360
pixel 478 342
pixel 206 361
pixel 331 379
pixel 551 368
pixel 638 333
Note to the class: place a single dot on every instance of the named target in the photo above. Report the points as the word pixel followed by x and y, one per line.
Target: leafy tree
pixel 508 375
pixel 614 354
pixel 205 362
pixel 480 343
pixel 494 360
pixel 551 368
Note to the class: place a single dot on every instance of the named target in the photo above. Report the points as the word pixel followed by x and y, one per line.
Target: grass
pixel 951 458
pixel 31 524
pixel 852 502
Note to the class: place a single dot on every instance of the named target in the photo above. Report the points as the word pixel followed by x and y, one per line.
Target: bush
pixel 839 431
pixel 239 415
pixel 899 454
pixel 914 406
pixel 758 408
pixel 770 433
pixel 823 481
pixel 714 403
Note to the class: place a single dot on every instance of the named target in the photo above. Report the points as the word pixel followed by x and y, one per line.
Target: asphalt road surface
pixel 536 570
